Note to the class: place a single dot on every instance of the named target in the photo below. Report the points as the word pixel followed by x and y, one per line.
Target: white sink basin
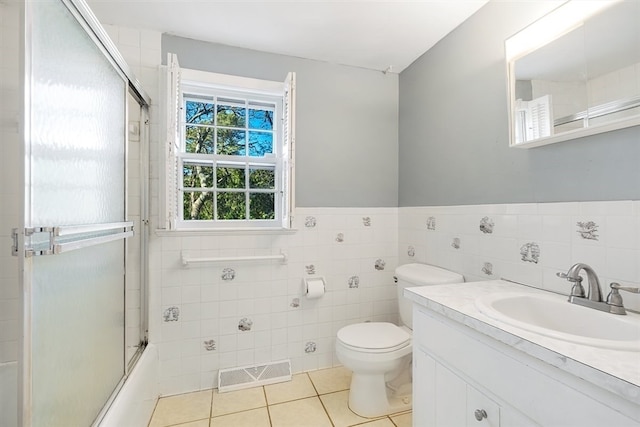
pixel 553 316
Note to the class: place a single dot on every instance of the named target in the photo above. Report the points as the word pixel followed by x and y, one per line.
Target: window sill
pixel 223 231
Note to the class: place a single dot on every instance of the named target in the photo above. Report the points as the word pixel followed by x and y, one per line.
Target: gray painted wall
pixel 346 123
pixel 453 132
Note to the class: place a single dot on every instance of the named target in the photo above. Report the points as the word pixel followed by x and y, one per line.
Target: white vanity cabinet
pixel 459 372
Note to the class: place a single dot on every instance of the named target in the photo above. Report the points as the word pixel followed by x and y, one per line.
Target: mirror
pixel 575 72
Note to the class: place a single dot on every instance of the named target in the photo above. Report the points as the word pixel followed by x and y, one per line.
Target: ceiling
pixel 386 35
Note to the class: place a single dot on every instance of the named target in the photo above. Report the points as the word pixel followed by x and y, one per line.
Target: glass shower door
pixel 74 220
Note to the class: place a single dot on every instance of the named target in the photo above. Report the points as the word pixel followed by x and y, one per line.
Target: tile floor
pixel 312 399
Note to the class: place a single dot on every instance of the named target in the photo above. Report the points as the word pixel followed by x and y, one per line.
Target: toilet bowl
pixel 379 354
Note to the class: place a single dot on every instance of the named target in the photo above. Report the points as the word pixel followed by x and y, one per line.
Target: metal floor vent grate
pixel 253 376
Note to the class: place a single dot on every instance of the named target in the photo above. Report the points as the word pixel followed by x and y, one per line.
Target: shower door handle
pixel 60 239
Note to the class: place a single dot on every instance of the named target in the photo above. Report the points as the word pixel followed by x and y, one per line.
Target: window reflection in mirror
pixel 584 81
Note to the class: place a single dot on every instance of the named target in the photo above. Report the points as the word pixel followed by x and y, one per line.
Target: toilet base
pixel 364 402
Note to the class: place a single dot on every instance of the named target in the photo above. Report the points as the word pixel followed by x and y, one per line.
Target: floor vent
pixel 253 376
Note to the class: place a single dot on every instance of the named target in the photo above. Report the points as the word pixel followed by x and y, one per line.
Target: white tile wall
pixel 210 308
pixel 615 255
pixel 265 292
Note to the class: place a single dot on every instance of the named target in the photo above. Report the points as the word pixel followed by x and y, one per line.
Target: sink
pixel 553 316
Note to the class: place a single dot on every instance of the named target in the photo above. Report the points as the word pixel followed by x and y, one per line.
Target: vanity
pixel 472 366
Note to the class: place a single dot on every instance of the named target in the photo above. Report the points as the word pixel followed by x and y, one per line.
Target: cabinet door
pixel 451 398
pixel 480 410
pixel 424 389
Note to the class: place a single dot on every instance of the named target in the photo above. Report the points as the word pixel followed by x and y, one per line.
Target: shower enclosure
pixel 78 243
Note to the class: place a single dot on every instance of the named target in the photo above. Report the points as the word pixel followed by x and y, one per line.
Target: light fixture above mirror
pixel 575 72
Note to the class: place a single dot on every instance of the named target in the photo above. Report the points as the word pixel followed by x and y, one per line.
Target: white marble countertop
pixel 614 370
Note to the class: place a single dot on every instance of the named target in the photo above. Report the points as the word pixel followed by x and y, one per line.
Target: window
pixel 230 151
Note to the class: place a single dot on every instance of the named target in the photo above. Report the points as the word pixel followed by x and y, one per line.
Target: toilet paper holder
pixel 314 287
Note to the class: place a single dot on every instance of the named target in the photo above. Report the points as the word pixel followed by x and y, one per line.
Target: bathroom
pixel 420 163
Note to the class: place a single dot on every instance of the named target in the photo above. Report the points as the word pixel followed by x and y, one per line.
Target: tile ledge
pixel 223 232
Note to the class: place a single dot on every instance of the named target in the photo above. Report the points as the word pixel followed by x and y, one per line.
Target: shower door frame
pixel 92 27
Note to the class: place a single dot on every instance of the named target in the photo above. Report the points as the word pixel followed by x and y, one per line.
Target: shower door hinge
pixel 28 232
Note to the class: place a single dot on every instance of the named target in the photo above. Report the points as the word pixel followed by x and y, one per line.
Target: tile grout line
pixel 240 411
pixel 187 422
pixel 312 383
pixel 154 411
pixel 264 391
pixel 326 412
pixel 321 402
pixel 211 406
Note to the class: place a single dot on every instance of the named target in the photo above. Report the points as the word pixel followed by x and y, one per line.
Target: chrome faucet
pixel 595 292
pixel 594 299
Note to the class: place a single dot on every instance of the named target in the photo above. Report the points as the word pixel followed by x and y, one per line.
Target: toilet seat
pixel 374 337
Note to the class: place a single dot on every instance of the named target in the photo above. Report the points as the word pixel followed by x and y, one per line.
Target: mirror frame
pixel 566 17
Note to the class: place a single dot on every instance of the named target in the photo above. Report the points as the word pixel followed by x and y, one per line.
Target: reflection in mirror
pixel 583 79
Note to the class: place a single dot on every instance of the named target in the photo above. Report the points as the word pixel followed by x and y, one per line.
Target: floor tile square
pixel 384 422
pixel 403 420
pixel 253 418
pixel 236 401
pixel 298 388
pixel 331 380
pixel 199 423
pixel 299 413
pixel 182 408
pixel 337 405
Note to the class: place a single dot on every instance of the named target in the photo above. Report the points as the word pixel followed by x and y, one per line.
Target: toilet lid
pixel 374 335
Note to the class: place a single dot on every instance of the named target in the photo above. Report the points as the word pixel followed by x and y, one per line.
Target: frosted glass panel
pixel 78 330
pixel 77 124
pixel 77 176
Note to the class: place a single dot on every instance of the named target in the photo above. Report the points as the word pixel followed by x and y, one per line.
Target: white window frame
pixel 177 82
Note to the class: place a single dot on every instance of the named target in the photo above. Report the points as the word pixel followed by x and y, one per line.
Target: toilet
pixel 379 353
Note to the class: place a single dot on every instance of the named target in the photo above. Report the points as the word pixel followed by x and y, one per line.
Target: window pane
pixel 197 176
pixel 260 143
pixel 231 142
pixel 228 177
pixel 262 206
pixel 199 139
pixel 231 116
pixel 197 205
pixel 260 119
pixel 262 178
pixel 231 206
pixel 199 112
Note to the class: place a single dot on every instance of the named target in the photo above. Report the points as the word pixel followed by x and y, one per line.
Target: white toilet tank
pixel 411 275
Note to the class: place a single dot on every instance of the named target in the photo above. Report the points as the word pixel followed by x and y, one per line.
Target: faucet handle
pixel 576 290
pixel 614 299
pixel 616 286
pixel 569 278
